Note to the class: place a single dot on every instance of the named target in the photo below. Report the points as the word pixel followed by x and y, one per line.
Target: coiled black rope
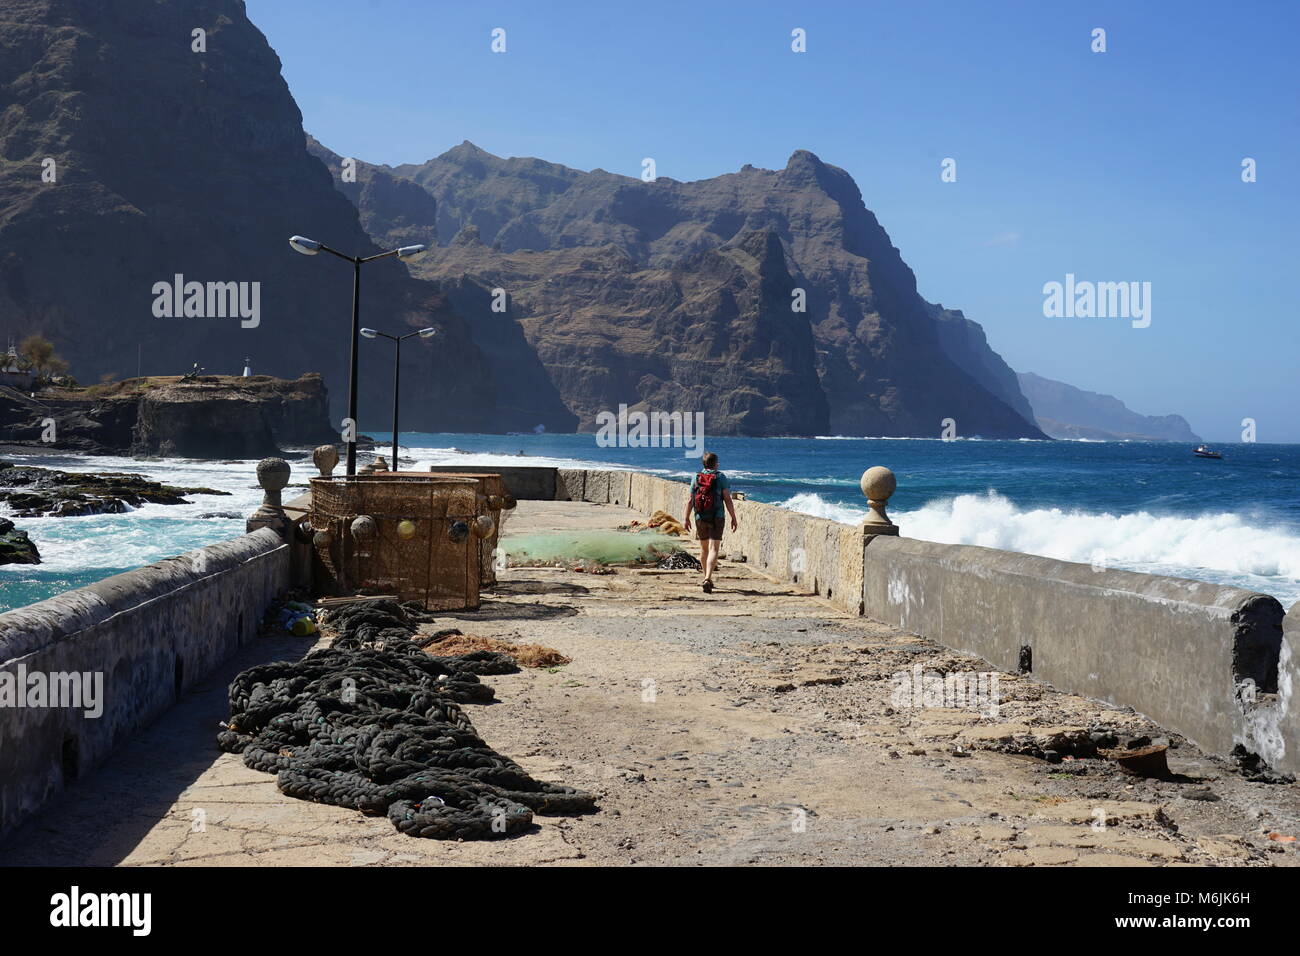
pixel 374 723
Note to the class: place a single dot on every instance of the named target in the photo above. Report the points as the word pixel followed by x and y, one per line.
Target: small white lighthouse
pixel 248 368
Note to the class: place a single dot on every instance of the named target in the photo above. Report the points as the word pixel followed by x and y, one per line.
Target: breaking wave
pixel 1224 548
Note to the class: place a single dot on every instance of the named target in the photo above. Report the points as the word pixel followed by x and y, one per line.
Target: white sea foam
pixel 148 533
pixel 810 503
pixel 1226 548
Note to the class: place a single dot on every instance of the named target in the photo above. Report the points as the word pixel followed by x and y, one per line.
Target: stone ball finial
pixel 878 484
pixel 273 474
pixel 326 459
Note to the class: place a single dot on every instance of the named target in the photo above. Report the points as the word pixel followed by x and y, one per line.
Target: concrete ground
pixel 753 725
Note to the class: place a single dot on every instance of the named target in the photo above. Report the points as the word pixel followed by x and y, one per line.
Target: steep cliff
pixel 887 362
pixel 966 344
pixel 128 158
pixel 710 334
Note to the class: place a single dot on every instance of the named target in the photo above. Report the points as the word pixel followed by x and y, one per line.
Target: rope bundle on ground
pixel 375 724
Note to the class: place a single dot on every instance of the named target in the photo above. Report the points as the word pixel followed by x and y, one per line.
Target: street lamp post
pixel 397 371
pixel 309 247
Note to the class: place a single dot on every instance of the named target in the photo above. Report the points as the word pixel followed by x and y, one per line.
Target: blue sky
pixel 1115 166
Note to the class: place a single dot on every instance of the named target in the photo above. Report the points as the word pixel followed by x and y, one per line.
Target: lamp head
pixel 369 333
pixel 428 333
pixel 407 253
pixel 308 247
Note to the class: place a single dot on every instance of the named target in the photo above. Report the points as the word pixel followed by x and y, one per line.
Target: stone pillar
pixel 878 484
pixel 273 476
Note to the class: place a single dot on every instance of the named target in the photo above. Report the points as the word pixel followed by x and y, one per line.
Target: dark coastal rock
pixel 634 292
pixel 211 195
pixel 212 416
pixel 15 546
pixel 42 492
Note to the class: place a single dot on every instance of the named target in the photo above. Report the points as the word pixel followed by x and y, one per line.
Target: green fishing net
pixel 551 548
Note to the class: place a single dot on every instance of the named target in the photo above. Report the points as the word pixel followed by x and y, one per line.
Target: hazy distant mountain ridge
pixel 1064 411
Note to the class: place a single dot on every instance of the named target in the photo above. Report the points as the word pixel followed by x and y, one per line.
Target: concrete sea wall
pixel 1197 658
pixel 148 634
pixel 1288 685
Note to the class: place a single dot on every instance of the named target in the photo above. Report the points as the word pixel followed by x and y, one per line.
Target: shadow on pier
pixel 101 819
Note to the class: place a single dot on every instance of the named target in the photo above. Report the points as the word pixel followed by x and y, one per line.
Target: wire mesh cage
pixel 496 502
pixel 413 535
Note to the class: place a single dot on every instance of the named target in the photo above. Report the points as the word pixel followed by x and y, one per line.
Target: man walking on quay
pixel 711 501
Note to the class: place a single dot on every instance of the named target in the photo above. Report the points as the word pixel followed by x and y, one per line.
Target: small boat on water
pixel 1202 451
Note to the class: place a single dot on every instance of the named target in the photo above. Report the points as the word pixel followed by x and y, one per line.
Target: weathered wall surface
pixel 151 633
pixel 1288 683
pixel 1198 658
pixel 525 483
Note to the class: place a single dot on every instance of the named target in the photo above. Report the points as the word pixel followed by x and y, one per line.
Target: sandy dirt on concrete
pixel 755 725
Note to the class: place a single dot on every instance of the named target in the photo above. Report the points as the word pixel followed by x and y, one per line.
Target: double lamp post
pixel 309 247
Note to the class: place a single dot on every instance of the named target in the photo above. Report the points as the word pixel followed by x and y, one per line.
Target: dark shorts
pixel 708 529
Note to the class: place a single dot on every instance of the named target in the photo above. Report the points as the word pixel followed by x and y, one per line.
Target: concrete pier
pixel 760 724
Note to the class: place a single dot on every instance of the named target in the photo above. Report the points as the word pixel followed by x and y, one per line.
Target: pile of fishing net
pixel 448 643
pixel 566 548
pixel 681 561
pixel 374 723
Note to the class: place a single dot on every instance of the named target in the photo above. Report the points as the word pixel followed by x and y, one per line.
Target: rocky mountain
pixel 140 245
pixel 398 212
pixel 663 292
pixel 1064 411
pixel 710 333
pixel 147 190
pixel 394 211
